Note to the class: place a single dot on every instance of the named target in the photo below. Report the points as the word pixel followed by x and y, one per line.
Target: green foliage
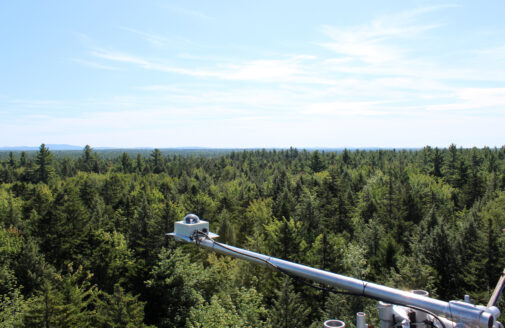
pixel 63 301
pixel 241 308
pixel 175 284
pixel 13 309
pixel 408 218
pixel 88 162
pixel 119 310
pixel 12 302
pixel 110 260
pixel 44 161
pixel 288 310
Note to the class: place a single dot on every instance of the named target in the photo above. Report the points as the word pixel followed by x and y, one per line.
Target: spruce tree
pixel 157 161
pixel 120 310
pixel 44 162
pixel 288 309
pixel 437 163
pixel 87 160
pixel 22 159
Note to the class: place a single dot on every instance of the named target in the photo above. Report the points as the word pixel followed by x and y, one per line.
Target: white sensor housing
pixel 188 229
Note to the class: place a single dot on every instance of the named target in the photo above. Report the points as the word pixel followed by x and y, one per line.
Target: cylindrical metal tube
pixel 421 316
pixel 497 291
pixel 455 311
pixel 385 314
pixel 361 320
pixel 420 292
pixel 334 324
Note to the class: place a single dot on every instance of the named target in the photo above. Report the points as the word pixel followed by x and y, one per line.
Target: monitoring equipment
pixel 396 307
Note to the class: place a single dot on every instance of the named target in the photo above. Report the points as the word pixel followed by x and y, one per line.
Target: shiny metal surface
pixel 334 324
pixel 466 314
pixel 361 320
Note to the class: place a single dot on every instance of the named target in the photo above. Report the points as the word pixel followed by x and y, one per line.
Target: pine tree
pixel 63 301
pixel 139 165
pixel 157 161
pixel 288 309
pixel 239 309
pixel 316 162
pixel 88 161
pixel 474 188
pixel 437 163
pixel 126 163
pixel 22 159
pixel 44 161
pixel 12 160
pixel 176 283
pixel 451 165
pixel 120 310
pixel 65 227
pixel 346 158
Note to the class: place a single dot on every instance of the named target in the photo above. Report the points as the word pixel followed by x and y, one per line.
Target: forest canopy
pixel 82 237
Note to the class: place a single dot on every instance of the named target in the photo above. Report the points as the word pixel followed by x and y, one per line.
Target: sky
pixel 248 74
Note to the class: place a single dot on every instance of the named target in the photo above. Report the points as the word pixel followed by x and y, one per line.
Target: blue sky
pixel 252 73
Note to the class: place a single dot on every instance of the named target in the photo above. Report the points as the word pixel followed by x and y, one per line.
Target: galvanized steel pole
pixel 463 313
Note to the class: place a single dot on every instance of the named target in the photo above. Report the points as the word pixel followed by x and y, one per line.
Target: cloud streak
pixel 95 65
pixel 368 43
pixel 369 79
pixel 255 70
pixel 153 39
pixel 186 12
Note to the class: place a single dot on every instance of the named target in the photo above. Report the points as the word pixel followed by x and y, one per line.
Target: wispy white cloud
pixel 261 70
pixel 154 39
pixel 255 70
pixel 343 108
pixel 369 42
pixel 95 64
pixel 34 103
pixel 144 63
pixel 371 74
pixel 492 54
pixel 475 99
pixel 186 11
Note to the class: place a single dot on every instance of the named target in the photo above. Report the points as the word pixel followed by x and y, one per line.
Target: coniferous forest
pixel 82 237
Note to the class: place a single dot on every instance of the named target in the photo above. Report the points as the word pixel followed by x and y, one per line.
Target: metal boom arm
pixel 464 314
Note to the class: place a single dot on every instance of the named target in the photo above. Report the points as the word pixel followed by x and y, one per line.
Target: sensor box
pixel 188 229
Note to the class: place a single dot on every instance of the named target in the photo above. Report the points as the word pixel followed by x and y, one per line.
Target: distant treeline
pixel 113 153
pixel 206 152
pixel 82 234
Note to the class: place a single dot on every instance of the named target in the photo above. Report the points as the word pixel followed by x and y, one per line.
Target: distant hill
pixel 50 146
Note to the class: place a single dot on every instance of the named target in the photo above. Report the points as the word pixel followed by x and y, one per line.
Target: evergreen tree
pixel 88 161
pixel 12 160
pixel 22 159
pixel 65 227
pixel 316 162
pixel 175 286
pixel 382 216
pixel 451 165
pixel 288 309
pixel 437 163
pixel 139 164
pixel 119 310
pixel 63 301
pixel 474 188
pixel 12 309
pixel 239 309
pixel 157 161
pixel 44 162
pixel 126 163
